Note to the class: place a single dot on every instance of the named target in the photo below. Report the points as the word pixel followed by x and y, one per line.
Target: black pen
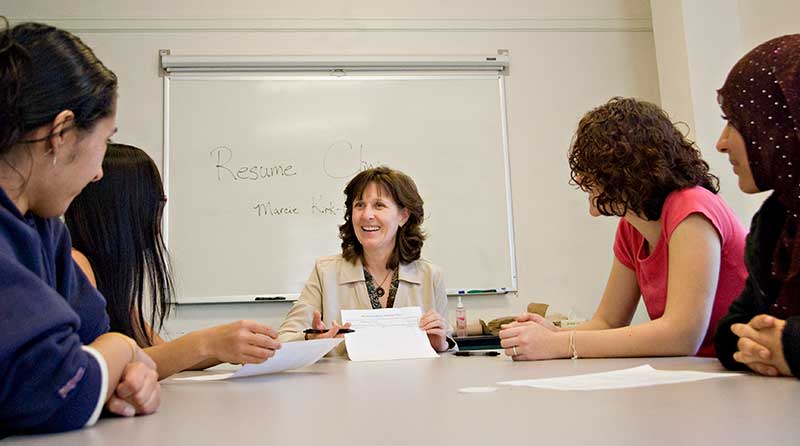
pixel 468 353
pixel 314 331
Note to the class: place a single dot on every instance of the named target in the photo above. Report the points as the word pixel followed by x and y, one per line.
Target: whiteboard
pixel 256 164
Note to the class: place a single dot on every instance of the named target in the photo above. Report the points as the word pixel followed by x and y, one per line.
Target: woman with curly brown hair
pixel 678 245
pixel 380 264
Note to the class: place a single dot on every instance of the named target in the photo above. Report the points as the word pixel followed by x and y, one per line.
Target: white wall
pixel 567 56
pixel 762 20
pixel 697 43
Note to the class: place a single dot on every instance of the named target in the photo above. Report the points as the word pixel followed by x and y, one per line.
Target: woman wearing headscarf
pixel 761 104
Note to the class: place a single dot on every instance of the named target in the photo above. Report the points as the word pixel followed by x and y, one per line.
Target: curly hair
pixel 410 236
pixel 632 156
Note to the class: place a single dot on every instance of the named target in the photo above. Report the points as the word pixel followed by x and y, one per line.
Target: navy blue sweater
pixel 48 310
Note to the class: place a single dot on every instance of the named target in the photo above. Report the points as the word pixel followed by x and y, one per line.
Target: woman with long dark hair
pixel 761 104
pixel 678 245
pixel 115 225
pixel 59 366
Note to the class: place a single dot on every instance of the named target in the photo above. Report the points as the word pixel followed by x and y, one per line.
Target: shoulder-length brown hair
pixel 410 237
pixel 633 156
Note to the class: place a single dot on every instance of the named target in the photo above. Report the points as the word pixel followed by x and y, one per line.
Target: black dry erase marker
pixel 314 331
pixel 468 353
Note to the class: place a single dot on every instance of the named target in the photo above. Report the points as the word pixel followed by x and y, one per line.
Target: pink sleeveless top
pixel 652 271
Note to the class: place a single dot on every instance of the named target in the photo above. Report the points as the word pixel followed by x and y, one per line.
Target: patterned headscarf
pixel 761 98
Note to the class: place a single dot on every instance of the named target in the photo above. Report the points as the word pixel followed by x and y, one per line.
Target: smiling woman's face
pixel 732 143
pixel 376 219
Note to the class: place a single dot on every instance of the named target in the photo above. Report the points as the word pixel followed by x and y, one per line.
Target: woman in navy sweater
pixel 58 365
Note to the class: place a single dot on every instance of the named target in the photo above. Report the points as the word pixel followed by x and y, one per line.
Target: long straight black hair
pixel 44 71
pixel 116 224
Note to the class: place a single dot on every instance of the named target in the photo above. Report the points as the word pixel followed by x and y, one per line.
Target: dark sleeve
pixel 73 285
pixel 751 301
pixel 746 306
pixel 48 383
pixel 791 344
pixel 741 311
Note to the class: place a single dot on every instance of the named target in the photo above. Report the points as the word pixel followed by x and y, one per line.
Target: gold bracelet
pixel 131 343
pixel 572 348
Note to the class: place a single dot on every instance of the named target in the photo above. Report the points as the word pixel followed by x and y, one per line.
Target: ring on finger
pixel 514 350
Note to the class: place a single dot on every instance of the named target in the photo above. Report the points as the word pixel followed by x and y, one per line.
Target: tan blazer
pixel 336 284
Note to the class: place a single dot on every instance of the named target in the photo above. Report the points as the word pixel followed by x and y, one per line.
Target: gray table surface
pixel 338 402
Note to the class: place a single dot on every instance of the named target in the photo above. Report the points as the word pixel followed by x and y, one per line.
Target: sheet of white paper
pixel 291 355
pixel 386 333
pixel 641 376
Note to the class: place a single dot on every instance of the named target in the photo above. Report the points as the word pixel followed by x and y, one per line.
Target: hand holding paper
pixel 434 325
pixel 292 355
pixel 387 333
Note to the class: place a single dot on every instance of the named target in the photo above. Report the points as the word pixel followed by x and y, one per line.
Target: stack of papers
pixel 385 334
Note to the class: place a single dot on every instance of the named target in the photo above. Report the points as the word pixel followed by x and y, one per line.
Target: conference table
pixel 416 402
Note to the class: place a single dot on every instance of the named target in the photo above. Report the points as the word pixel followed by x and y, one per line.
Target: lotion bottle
pixel 461 319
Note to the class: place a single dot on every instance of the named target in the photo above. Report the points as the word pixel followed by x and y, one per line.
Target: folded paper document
pixel 386 333
pixel 291 355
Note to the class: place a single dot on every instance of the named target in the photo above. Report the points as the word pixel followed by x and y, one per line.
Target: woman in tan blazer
pixel 380 264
